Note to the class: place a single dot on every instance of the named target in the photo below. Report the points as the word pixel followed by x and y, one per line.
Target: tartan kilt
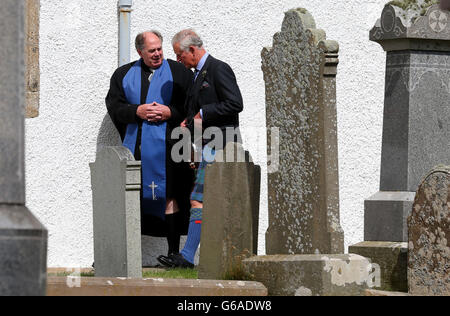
pixel 197 192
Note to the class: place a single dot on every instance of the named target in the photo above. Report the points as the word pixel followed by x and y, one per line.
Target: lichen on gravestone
pixel 300 76
pixel 412 9
pixel 429 236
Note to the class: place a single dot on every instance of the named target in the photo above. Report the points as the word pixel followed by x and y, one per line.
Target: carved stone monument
pixel 23 240
pixel 305 242
pixel 429 236
pixel 300 74
pixel 230 214
pixel 116 184
pixel 416 132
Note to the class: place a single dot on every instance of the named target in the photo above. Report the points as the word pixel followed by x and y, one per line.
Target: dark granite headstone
pixel 416 132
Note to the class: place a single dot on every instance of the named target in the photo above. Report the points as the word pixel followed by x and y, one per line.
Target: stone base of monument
pixel 72 286
pixel 384 293
pixel 23 252
pixel 392 258
pixel 385 216
pixel 312 275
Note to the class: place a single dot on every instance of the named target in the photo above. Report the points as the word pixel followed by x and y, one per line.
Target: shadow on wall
pixel 108 134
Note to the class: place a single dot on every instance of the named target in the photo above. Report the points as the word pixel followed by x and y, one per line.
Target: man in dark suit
pixel 215 101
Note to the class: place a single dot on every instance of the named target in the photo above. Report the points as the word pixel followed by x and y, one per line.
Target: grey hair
pixel 140 39
pixel 186 39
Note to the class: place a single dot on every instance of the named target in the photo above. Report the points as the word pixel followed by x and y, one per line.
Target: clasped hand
pixel 154 112
pixel 197 122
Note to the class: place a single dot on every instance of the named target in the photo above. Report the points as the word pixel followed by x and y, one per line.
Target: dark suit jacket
pixel 215 92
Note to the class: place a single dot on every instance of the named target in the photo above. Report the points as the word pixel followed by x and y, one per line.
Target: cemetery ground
pixel 146 273
pixel 82 282
pixel 154 282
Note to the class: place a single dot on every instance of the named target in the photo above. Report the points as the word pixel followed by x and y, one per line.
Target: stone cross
pixel 230 215
pixel 116 185
pixel 416 132
pixel 23 240
pixel 300 75
pixel 429 236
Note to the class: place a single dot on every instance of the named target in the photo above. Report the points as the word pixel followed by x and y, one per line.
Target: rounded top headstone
pixel 429 235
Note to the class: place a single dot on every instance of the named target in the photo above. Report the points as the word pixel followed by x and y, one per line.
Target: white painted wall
pixel 78 42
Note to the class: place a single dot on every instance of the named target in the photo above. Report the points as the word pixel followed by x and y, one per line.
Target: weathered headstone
pixel 416 132
pixel 230 214
pixel 23 240
pixel 300 74
pixel 391 257
pixel 313 275
pixel 116 184
pixel 429 236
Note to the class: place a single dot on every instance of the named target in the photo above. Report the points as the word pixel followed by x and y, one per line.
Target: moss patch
pixel 172 274
pixel 416 5
pixel 152 273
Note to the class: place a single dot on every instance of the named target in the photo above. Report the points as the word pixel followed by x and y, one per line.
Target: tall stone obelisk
pixel 416 133
pixel 23 240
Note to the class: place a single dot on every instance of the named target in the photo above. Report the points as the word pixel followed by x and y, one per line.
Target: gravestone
pixel 23 240
pixel 445 4
pixel 429 236
pixel 313 275
pixel 415 127
pixel 391 257
pixel 230 214
pixel 300 75
pixel 116 184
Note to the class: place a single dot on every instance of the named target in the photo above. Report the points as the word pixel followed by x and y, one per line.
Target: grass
pixel 172 274
pixel 148 274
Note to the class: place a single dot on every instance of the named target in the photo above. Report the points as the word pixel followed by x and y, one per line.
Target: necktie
pixel 196 74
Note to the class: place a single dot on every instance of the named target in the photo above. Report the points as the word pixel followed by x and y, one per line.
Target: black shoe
pixel 175 260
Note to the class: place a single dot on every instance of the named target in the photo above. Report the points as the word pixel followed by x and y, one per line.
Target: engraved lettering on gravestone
pixel 438 21
pixel 153 187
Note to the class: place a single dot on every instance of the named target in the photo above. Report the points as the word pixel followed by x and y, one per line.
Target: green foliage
pixel 156 273
pixel 172 274
pixel 416 5
pixel 235 270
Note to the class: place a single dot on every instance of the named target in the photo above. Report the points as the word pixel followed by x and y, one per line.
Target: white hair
pixel 186 39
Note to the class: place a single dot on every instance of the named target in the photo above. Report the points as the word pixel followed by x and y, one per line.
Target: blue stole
pixel 153 140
